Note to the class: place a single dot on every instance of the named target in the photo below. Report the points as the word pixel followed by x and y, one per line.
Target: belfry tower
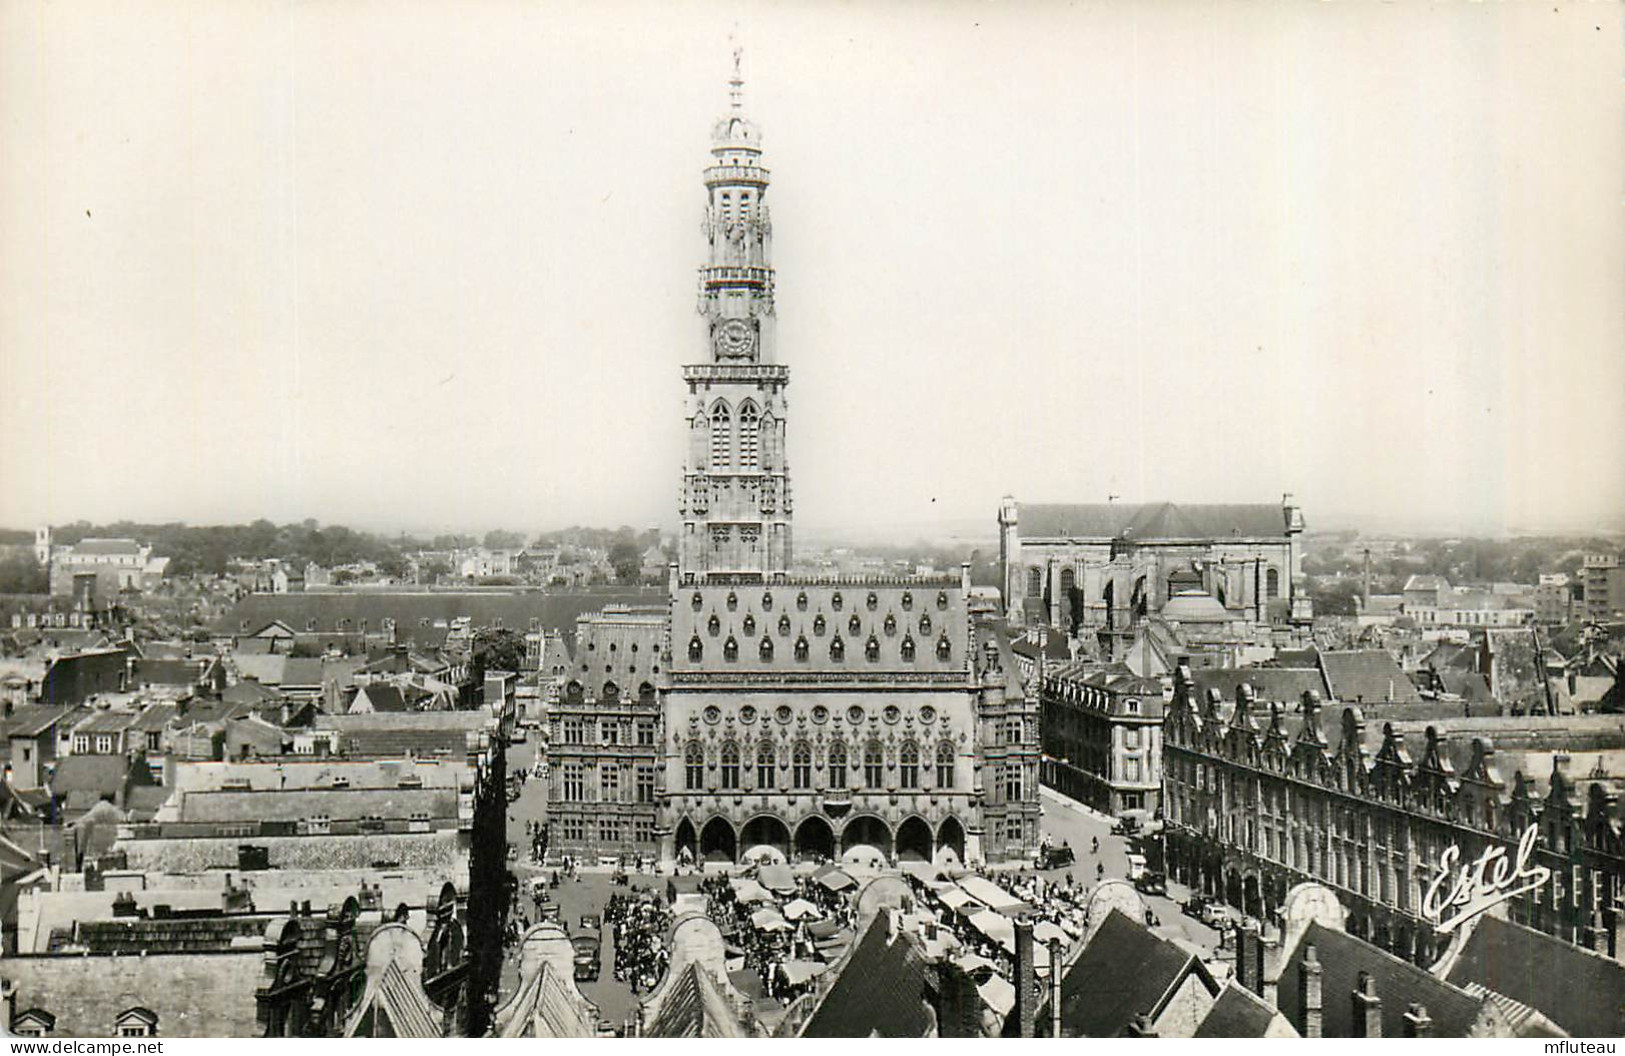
pixel 735 503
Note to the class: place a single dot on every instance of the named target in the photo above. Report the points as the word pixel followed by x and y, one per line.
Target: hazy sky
pixel 326 259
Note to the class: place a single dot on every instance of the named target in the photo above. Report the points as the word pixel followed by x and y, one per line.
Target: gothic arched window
pixel 874 765
pixel 730 765
pixel 749 426
pixel 837 763
pixel 696 649
pixel 764 764
pixel 769 434
pixel 1272 583
pixel 1035 582
pixel 945 765
pixel 908 765
pixel 801 766
pixel 721 435
pixel 694 767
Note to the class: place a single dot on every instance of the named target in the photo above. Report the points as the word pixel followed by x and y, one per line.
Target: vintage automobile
pixel 1055 857
pixel 1127 825
pixel 1151 883
pixel 588 958
pixel 591 922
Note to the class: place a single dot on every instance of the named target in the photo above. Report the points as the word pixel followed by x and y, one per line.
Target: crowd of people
pixel 639 921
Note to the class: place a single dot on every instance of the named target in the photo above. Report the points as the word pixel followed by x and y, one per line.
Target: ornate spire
pixel 736 83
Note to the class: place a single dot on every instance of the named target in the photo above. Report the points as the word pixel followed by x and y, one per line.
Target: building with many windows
pixel 1102 736
pixel 1259 800
pixel 604 736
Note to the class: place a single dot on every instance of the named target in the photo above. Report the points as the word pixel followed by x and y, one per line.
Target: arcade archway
pixel 913 840
pixel 686 839
pixel 867 837
pixel 814 838
pixel 718 843
pixel 766 835
pixel 951 837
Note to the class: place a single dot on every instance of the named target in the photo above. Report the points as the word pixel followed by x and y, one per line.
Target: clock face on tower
pixel 734 339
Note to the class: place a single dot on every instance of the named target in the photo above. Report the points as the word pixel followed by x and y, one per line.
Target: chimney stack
pixel 1250 958
pixel 1309 992
pixel 1417 1022
pixel 1026 990
pixel 1367 1008
pixel 1365 583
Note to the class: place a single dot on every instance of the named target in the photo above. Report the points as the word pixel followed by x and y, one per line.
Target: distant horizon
pixel 944 531
pixel 441 268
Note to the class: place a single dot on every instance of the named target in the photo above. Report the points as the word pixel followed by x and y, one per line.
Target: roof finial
pixel 736 85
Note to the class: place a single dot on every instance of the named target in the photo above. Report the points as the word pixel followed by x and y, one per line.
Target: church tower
pixel 735 502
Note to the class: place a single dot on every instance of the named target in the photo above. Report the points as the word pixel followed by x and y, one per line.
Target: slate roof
pixel 167 672
pixel 31 720
pixel 102 775
pixel 338 804
pixel 881 990
pixel 1367 676
pixel 1399 984
pixel 1570 985
pixel 106 722
pixel 1125 971
pixel 422 733
pixel 106 546
pixel 303 671
pixel 384 697
pixel 1150 521
pixel 1284 685
pixel 207 995
pixel 1238 1013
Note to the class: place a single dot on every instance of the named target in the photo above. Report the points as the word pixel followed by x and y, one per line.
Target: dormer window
pixel 730 649
pixel 765 649
pixel 835 601
pixel 854 626
pixel 767 602
pixel 801 601
pixel 837 649
pixel 873 601
pixel 944 650
pixel 750 626
pixel 942 599
pixel 925 624
pixel 784 623
pixel 136 1022
pixel 713 626
pixel 819 626
pixel 908 600
pixel 733 601
pixel 697 602
pixel 696 649
pixel 890 625
pixel 871 649
pixel 801 648
pixel 908 647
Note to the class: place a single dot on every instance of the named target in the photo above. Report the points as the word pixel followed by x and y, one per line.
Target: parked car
pixel 1213 914
pixel 1151 883
pixel 1136 867
pixel 1126 826
pixel 588 958
pixel 1053 857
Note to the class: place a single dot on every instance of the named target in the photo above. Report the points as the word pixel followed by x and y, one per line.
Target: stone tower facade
pixel 735 503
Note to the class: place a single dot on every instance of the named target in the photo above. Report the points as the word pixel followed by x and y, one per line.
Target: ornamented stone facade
pixel 1257 802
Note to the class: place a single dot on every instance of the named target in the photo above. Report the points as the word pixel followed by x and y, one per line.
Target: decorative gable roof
pixel 1399 984
pixel 394 1004
pixel 548 1003
pixel 1125 972
pixel 1565 982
